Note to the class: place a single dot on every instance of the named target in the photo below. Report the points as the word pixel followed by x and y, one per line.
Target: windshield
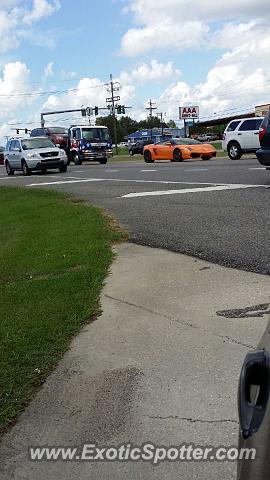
pixel 33 143
pixel 58 130
pixel 95 134
pixel 186 141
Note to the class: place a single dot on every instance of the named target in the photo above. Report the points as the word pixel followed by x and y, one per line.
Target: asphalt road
pixel 217 210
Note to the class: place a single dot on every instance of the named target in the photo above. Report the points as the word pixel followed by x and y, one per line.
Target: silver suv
pixel 28 154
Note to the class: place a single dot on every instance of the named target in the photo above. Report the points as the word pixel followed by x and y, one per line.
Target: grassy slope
pixel 54 257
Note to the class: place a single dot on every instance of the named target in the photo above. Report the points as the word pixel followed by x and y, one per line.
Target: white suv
pixel 28 154
pixel 242 136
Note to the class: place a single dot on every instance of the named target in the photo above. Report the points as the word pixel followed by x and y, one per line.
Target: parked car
pixel 178 149
pixel 138 147
pixel 263 154
pixel 242 136
pixel 28 154
pixel 2 155
pixel 58 135
pixel 254 410
pixel 207 137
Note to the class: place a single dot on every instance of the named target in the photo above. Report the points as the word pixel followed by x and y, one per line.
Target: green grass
pixel 121 150
pixel 217 145
pixel 55 254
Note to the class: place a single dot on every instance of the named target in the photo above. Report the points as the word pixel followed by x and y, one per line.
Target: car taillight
pixel 262 133
pixel 224 136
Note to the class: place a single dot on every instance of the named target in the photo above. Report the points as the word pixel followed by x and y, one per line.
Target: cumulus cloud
pixel 89 92
pixel 14 80
pixel 41 9
pixel 151 71
pixel 175 24
pixel 233 85
pixel 16 18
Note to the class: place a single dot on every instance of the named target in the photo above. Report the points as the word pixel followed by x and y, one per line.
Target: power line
pixel 54 92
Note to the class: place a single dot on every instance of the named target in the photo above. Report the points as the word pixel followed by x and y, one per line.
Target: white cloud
pixel 16 18
pixel 89 92
pixel 235 84
pixel 41 9
pixel 163 34
pixel 14 80
pixel 152 71
pixel 48 70
pixel 176 24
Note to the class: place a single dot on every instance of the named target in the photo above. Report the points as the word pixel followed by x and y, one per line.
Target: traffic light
pixel 96 111
pixel 89 111
pixel 18 131
pixel 83 112
pixel 123 109
pixel 25 130
pixel 119 109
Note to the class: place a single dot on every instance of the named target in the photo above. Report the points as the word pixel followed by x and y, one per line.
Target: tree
pixel 171 124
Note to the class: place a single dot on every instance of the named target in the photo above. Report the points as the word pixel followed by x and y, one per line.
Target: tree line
pixel 127 125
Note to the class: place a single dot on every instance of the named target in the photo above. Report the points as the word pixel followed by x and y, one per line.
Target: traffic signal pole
pixel 114 116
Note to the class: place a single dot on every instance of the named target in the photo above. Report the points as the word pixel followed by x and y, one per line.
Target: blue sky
pixel 214 55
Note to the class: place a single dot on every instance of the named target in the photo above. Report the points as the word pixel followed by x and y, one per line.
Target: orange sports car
pixel 177 150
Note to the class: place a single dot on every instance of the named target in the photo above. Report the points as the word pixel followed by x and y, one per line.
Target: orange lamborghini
pixel 177 150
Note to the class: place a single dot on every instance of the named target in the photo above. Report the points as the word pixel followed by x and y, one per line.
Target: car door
pixel 17 154
pixel 248 134
pixel 254 411
pixel 165 150
pixel 11 154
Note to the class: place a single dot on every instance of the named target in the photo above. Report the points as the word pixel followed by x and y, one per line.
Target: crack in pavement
pixel 191 420
pixel 185 324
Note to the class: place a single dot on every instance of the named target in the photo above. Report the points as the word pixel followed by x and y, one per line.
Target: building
pixel 262 110
pixel 156 135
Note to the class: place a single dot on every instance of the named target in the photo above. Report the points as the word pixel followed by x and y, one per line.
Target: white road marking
pixel 112 171
pixel 257 168
pixel 197 170
pixel 166 182
pixel 147 171
pixel 74 178
pixel 188 190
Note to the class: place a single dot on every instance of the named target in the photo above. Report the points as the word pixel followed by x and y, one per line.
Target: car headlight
pixel 62 153
pixel 32 155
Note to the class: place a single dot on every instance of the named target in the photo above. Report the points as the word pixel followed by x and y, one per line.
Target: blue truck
pixel 88 143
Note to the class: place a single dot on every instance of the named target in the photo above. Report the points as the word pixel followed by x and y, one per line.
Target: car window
pixel 17 146
pixel 258 123
pixel 12 145
pixel 248 125
pixel 33 143
pixel 78 133
pixel 233 125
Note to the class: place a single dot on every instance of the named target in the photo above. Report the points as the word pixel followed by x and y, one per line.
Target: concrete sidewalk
pixel 160 365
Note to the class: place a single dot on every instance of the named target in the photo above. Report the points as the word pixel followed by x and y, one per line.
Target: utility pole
pixel 151 108
pixel 112 88
pixel 161 115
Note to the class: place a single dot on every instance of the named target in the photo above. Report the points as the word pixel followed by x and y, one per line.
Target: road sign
pixel 116 99
pixel 188 112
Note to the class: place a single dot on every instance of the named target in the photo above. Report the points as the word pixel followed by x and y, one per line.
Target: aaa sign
pixel 188 112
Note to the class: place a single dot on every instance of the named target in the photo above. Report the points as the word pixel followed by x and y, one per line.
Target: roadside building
pixel 156 134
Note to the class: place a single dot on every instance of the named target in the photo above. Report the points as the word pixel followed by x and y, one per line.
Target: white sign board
pixel 188 112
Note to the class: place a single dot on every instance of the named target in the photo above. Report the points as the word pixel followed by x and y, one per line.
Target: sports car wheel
pixel 177 156
pixel 148 157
